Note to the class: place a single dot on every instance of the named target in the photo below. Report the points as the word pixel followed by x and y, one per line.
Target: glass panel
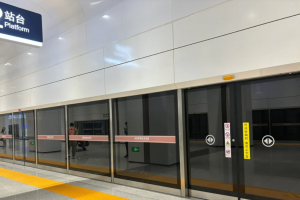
pixel 89 142
pixel 24 136
pixel 51 136
pixel 207 110
pixel 6 141
pixel 19 135
pixel 146 134
pixel 29 136
pixel 260 120
pixel 273 170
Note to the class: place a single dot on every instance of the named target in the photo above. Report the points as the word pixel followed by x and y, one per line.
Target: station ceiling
pixel 59 17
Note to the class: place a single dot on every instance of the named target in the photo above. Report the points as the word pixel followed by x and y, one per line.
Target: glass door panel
pixel 6 137
pixel 272 109
pixel 51 137
pixel 89 146
pixel 29 139
pixel 211 159
pixel 146 139
pixel 24 139
pixel 18 137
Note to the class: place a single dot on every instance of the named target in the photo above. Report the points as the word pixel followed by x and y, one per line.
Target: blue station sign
pixel 19 25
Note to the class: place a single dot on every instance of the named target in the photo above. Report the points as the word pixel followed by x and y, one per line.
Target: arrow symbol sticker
pixel 210 140
pixel 268 141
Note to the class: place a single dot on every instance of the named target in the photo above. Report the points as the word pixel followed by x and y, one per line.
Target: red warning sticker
pixel 227 125
pixel 227 140
pixel 228 151
pixel 227 134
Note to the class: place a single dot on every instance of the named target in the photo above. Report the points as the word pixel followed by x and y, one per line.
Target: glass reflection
pixel 6 141
pixel 208 108
pixel 88 137
pixel 274 107
pixel 24 136
pixel 51 137
pixel 138 120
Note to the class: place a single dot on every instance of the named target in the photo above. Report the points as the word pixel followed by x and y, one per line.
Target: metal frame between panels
pixel 67 137
pixel 35 139
pixel 182 143
pixel 111 132
pixel 13 135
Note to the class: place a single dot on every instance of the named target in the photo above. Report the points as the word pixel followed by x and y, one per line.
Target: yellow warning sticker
pixel 246 135
pixel 227 143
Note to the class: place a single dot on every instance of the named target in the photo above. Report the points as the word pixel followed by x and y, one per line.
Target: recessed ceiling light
pixel 7 64
pixel 105 16
pixel 29 53
pixel 96 2
pixel 60 38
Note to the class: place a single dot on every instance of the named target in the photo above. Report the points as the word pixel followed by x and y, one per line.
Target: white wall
pixel 155 45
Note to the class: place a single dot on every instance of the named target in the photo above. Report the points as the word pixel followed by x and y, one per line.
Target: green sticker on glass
pixel 135 149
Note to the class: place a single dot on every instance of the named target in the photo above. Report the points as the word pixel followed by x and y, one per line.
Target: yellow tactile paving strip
pixel 68 190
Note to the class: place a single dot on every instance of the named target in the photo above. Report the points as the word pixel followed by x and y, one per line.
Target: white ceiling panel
pixel 93 8
pixel 182 8
pixel 65 14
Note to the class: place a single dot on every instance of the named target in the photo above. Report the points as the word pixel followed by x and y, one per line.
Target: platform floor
pixel 21 182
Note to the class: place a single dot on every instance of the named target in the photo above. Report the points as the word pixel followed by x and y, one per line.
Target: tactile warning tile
pixel 57 187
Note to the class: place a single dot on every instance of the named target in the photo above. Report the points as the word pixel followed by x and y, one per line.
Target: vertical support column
pixel 13 136
pixel 111 140
pixel 182 143
pixel 35 139
pixel 67 138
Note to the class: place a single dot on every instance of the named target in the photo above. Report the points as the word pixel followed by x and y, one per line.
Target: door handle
pixel 233 140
